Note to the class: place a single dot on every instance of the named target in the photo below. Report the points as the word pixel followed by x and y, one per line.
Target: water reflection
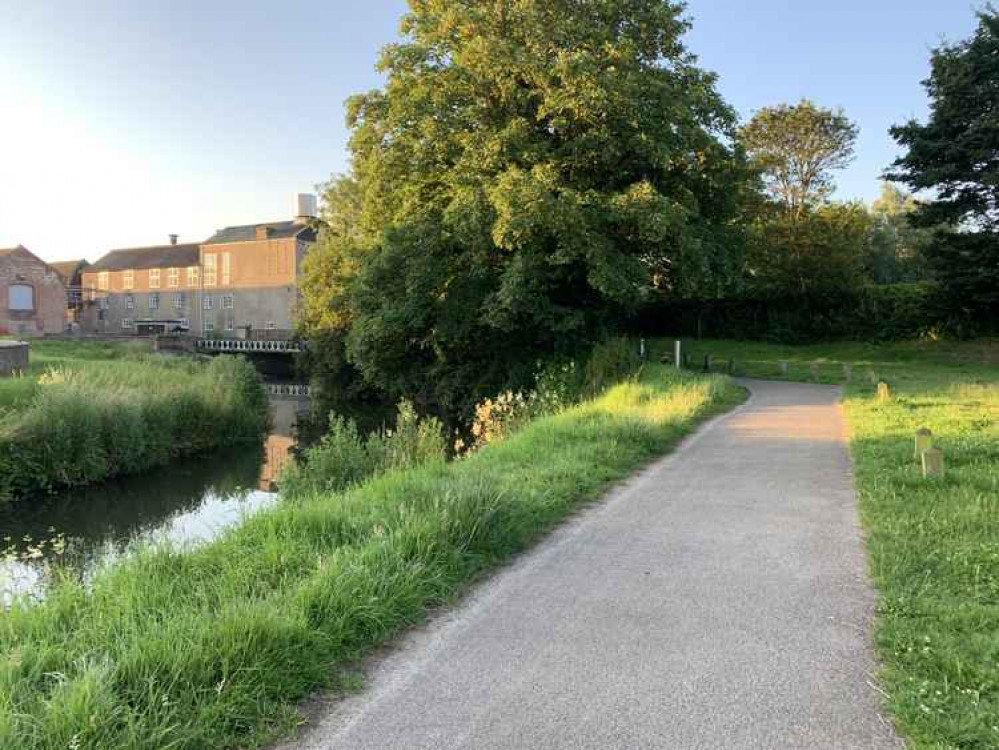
pixel 187 502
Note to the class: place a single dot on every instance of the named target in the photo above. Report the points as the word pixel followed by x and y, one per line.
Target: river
pixel 187 502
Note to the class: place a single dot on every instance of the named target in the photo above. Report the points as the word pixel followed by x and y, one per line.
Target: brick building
pixel 32 295
pixel 242 281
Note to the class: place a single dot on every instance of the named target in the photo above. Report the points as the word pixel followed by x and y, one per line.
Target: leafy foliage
pixel 956 154
pixel 896 248
pixel 530 171
pixel 796 148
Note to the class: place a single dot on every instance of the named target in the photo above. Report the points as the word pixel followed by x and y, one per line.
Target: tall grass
pixel 212 647
pixel 933 545
pixel 98 419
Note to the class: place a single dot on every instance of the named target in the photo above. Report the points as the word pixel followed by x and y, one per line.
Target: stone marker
pixel 924 441
pixel 848 373
pixel 783 369
pixel 884 392
pixel 933 463
pixel 814 369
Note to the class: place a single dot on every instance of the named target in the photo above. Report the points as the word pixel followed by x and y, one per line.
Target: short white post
pixel 641 348
pixel 676 355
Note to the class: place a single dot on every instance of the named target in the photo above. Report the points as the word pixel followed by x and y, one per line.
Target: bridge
pixel 249 346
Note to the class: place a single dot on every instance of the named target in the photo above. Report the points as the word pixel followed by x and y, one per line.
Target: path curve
pixel 717 600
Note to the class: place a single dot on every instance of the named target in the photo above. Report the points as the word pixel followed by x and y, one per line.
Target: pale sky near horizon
pixel 122 121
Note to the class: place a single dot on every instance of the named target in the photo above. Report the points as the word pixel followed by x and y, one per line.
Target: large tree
pixel 530 171
pixel 956 156
pixel 897 248
pixel 797 148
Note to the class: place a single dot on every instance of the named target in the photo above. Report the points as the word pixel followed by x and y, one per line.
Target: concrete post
pixel 848 373
pixel 676 355
pixel 814 370
pixel 933 463
pixel 884 392
pixel 924 441
pixel 783 369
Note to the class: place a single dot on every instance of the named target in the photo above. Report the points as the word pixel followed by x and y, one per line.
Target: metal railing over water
pixel 253 346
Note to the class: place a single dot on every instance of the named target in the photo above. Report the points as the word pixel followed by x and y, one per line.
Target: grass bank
pixel 89 412
pixel 933 545
pixel 213 647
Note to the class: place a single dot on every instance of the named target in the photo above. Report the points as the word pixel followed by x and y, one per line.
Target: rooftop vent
pixel 173 239
pixel 305 207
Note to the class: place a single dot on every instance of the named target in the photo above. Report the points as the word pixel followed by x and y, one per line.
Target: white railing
pixel 288 389
pixel 242 345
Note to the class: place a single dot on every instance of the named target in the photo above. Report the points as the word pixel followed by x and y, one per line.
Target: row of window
pixel 208 325
pixel 226 302
pixel 211 265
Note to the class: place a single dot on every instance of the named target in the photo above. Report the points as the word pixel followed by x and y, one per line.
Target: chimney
pixel 263 232
pixel 173 239
pixel 305 208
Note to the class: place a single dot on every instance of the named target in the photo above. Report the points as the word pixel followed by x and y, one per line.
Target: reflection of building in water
pixel 285 413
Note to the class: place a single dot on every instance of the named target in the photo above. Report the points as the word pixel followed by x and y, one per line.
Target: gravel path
pixel 717 600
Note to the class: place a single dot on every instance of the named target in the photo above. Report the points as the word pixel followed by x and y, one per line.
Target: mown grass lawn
pixel 933 545
pixel 210 648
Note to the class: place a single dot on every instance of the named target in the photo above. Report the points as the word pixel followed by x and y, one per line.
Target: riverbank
pixel 213 647
pixel 933 545
pixel 88 412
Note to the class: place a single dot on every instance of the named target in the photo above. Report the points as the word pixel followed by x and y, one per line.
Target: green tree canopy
pixel 897 248
pixel 529 172
pixel 796 148
pixel 956 155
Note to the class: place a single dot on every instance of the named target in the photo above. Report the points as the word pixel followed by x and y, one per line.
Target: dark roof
pixel 248 232
pixel 160 256
pixel 69 268
pixel 4 252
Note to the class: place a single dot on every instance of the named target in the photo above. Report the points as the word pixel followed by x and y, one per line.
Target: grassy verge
pixel 87 417
pixel 212 647
pixel 933 545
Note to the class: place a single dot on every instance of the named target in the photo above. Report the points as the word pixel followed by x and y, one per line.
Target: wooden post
pixel 848 373
pixel 707 363
pixel 783 369
pixel 924 441
pixel 814 369
pixel 933 463
pixel 884 392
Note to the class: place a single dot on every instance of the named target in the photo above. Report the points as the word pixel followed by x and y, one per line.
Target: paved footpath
pixel 717 600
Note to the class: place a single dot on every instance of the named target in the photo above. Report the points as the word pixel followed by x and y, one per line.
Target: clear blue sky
pixel 121 122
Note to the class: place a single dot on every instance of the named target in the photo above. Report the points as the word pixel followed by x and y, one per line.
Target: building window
pixel 180 301
pixel 211 276
pixel 209 326
pixel 128 279
pixel 227 302
pixel 208 303
pixel 129 302
pixel 154 301
pixel 174 277
pixel 192 277
pixel 21 297
pixel 226 268
pixel 103 303
pixel 230 324
pixel 103 281
pixel 126 322
pixel 185 323
pixel 154 278
pixel 269 325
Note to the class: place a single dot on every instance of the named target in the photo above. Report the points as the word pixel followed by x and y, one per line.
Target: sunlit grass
pixel 212 647
pixel 933 545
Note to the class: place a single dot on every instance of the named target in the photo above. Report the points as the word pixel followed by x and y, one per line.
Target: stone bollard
pixel 848 373
pixel 884 392
pixel 933 463
pixel 814 370
pixel 924 441
pixel 783 369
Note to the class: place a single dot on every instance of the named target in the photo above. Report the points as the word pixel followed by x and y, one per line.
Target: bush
pixel 345 457
pixel 104 419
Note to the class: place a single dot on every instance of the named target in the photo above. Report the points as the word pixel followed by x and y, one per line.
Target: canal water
pixel 188 502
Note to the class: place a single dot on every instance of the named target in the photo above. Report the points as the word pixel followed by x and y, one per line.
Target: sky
pixel 123 121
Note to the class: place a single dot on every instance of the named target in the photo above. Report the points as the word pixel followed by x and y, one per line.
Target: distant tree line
pixel 535 176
